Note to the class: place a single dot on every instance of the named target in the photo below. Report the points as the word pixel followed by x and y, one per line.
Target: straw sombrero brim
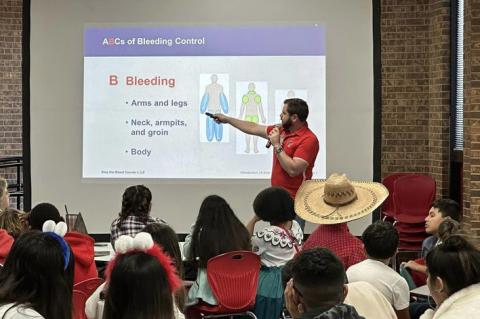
pixel 309 203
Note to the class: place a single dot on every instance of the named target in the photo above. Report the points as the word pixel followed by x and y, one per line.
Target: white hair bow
pixel 142 241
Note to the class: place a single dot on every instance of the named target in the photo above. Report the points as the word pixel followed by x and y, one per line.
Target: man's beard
pixel 287 124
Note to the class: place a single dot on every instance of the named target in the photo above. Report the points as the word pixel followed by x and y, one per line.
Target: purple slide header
pixel 205 41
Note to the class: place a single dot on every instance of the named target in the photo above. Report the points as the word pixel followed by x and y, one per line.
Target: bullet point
pixel 126 151
pixel 126 122
pixel 126 102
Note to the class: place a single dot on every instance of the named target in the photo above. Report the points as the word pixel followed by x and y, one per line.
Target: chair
pixel 76 223
pixel 413 196
pixel 388 208
pixel 410 228
pixel 88 286
pixel 79 300
pixel 233 278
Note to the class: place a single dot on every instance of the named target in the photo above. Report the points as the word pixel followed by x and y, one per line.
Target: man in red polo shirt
pixel 295 145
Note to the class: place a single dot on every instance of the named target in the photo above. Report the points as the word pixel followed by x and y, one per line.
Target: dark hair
pixel 41 213
pixel 165 236
pixel 217 231
pixel 448 207
pixel 274 205
pixel 287 272
pixel 380 240
pixel 136 201
pixel 10 220
pixel 34 275
pixel 138 288
pixel 319 276
pixel 297 106
pixel 457 254
pixel 448 228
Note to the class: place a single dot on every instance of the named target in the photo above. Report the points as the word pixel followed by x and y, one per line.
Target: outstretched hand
pixel 220 118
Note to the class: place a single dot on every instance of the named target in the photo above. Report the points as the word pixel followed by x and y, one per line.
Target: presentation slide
pixel 147 91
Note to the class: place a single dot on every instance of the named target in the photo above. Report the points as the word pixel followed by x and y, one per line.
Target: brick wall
pixel 415 88
pixel 10 81
pixel 471 157
pixel 11 78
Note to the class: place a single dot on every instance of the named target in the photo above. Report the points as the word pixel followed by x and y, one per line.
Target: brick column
pixel 415 88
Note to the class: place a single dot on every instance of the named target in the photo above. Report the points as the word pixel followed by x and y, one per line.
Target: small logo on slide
pixel 113 41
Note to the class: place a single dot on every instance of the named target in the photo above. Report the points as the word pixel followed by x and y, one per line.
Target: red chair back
pixel 233 278
pixel 88 286
pixel 388 208
pixel 413 197
pixel 79 300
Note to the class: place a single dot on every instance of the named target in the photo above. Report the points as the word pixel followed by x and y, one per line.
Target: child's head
pixel 41 213
pixel 165 236
pixel 141 280
pixel 274 205
pixel 380 240
pixel 457 254
pixel 136 201
pixel 4 196
pixel 36 273
pixel 217 231
pixel 10 220
pixel 318 278
pixel 440 209
pixel 448 228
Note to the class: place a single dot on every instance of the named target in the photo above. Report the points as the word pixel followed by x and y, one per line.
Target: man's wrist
pixel 278 149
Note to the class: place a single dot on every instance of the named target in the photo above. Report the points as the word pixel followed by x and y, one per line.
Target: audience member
pixel 317 288
pixel 6 242
pixel 82 245
pixel 276 244
pixel 216 231
pixel 454 279
pixel 441 209
pixel 381 240
pixel 165 237
pixel 366 299
pixel 332 203
pixel 12 221
pixel 141 281
pixel 41 213
pixel 37 278
pixel 4 196
pixel 369 301
pixel 135 213
pixel 446 229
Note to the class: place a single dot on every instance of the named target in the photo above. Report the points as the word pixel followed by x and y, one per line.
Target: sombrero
pixel 337 199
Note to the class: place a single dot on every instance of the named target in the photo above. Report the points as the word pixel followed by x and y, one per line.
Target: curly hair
pixel 274 205
pixel 12 221
pixel 136 200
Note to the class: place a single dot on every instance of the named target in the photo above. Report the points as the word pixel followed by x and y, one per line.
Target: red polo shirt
pixel 302 144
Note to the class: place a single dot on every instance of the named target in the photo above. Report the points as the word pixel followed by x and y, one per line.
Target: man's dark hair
pixel 448 207
pixel 319 276
pixel 274 205
pixel 380 240
pixel 298 107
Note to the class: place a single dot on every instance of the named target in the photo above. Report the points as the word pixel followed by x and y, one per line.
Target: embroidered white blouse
pixel 275 246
